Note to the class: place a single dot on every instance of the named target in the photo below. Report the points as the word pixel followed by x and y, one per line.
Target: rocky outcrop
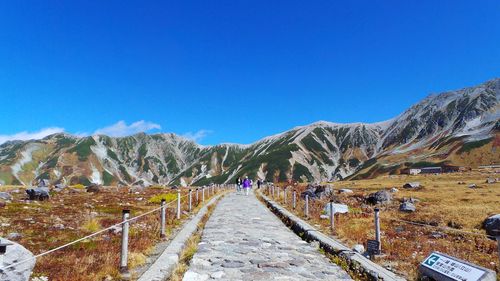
pixel 93 188
pixel 39 193
pixel 407 207
pixel 15 253
pixel 492 225
pixel 379 197
pixel 5 196
pixel 317 192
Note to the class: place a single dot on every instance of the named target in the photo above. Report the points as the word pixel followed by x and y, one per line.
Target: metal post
pixel 377 229
pixel 498 241
pixel 273 192
pixel 306 209
pixel 190 200
pixel 332 216
pixel 124 252
pixel 162 218
pixel 202 194
pixel 294 199
pixel 284 193
pixel 179 204
pixel 197 196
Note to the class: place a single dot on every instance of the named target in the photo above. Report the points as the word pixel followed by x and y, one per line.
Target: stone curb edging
pixel 164 266
pixel 356 261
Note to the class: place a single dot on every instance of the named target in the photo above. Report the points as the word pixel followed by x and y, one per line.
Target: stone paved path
pixel 243 240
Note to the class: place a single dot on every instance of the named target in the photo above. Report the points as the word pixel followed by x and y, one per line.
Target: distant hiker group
pixel 246 184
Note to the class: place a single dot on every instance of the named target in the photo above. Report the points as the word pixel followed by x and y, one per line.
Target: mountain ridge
pixel 438 129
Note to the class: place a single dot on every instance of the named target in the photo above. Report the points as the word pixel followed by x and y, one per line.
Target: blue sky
pixel 232 71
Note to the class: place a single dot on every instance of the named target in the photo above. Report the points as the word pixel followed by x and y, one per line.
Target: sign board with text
pixel 372 247
pixel 443 267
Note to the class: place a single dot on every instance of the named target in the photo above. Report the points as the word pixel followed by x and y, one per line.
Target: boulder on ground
pixel 94 188
pixel 437 235
pixel 14 236
pixel 58 226
pixel 5 196
pixel 38 193
pixel 379 197
pixel 2 204
pixel 394 190
pixel 491 180
pixel 358 248
pixel 461 182
pixel 309 192
pixel 15 252
pixel 317 192
pixel 412 185
pixel 345 190
pixel 473 185
pixel 492 225
pixel 407 207
pixel 59 187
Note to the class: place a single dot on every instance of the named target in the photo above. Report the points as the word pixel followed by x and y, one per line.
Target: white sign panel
pixel 452 268
pixel 337 208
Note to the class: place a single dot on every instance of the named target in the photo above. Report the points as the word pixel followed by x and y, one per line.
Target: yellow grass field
pixel 449 208
pixel 74 213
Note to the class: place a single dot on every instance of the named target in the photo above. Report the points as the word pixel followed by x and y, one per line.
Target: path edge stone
pixel 356 261
pixel 166 263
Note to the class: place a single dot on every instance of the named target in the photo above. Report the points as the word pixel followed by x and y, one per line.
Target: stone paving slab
pixel 243 240
pixel 165 264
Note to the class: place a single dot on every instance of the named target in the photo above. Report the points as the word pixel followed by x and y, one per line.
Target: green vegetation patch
pixel 112 154
pixel 473 145
pixel 107 178
pixel 125 174
pixel 312 144
pixel 82 149
pixel 300 171
pixel 168 197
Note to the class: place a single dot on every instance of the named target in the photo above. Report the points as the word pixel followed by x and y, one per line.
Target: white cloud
pixel 197 136
pixel 121 129
pixel 31 135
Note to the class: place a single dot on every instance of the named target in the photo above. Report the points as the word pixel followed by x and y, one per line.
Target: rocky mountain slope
pixel 457 127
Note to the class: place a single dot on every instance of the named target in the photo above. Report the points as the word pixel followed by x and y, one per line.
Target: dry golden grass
pixel 82 213
pixel 92 225
pixel 190 248
pixel 443 203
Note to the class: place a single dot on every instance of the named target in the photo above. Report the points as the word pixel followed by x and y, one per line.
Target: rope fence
pixel 210 190
pixel 281 194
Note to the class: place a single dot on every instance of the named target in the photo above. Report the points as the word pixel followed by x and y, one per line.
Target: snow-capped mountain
pixel 457 127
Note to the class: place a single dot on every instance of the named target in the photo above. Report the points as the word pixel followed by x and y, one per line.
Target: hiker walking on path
pixel 259 183
pixel 246 185
pixel 238 184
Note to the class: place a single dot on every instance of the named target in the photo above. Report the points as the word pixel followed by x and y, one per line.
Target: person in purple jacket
pixel 246 185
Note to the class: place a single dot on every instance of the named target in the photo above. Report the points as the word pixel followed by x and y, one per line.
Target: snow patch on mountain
pixel 96 175
pixel 26 157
